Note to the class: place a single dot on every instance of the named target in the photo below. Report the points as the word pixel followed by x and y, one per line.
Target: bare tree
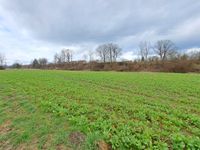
pixel 144 49
pixel 69 55
pixel 164 48
pixel 2 60
pixel 114 51
pixel 108 52
pixel 63 55
pixel 195 55
pixel 66 55
pixel 42 61
pixel 57 59
pixel 102 52
pixel 91 55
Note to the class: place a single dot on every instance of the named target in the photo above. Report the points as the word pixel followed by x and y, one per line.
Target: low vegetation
pixel 87 110
pixel 177 66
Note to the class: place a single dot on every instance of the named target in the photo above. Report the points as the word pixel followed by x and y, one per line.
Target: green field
pixel 76 110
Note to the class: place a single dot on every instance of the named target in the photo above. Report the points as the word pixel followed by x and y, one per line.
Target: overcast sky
pixel 40 28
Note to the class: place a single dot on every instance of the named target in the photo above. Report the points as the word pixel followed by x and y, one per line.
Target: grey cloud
pixel 39 28
pixel 77 21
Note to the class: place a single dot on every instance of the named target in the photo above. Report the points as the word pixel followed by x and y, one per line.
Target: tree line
pixel 110 52
pixel 160 51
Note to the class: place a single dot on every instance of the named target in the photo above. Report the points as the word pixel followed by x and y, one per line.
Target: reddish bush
pixel 181 66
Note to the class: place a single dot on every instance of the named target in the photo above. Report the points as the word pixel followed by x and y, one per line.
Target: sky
pixel 39 28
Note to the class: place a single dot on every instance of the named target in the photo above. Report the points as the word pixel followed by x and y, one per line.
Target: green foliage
pixel 127 110
pixel 183 142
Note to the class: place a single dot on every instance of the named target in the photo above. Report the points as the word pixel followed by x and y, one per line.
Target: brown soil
pixel 102 145
pixel 5 129
pixel 77 138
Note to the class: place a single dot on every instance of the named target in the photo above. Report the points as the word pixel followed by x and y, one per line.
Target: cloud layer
pixel 44 26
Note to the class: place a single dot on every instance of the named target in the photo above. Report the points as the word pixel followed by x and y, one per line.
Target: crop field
pixel 99 110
